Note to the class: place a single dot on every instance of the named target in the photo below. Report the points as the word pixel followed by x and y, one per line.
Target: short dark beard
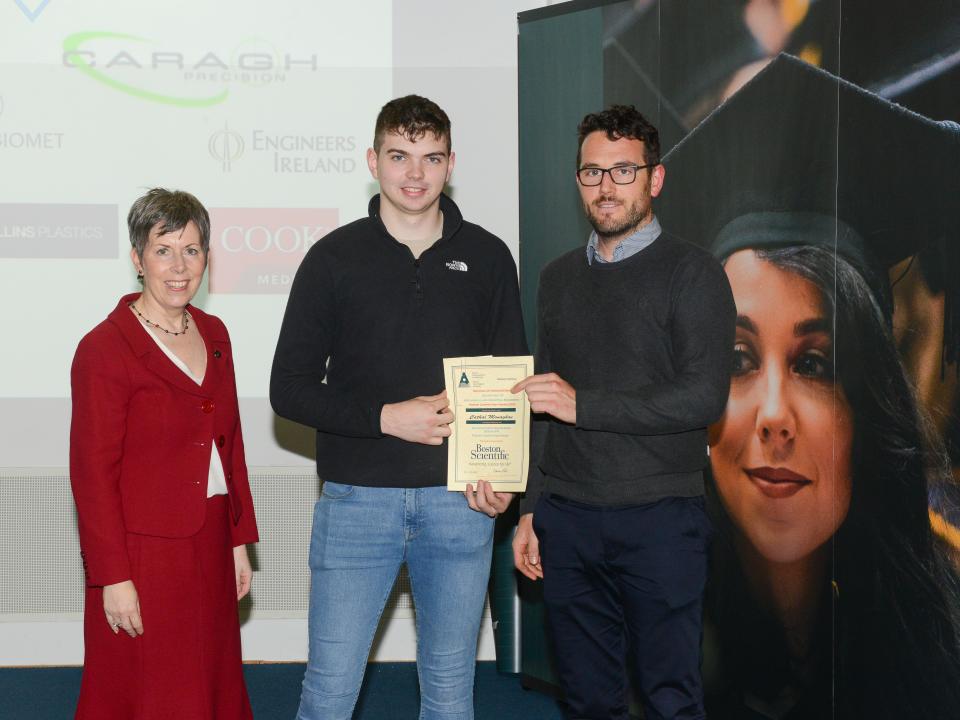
pixel 637 213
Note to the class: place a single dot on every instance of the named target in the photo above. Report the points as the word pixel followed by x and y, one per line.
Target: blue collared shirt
pixel 630 245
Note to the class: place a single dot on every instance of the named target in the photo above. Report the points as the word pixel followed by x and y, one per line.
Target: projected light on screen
pixel 264 113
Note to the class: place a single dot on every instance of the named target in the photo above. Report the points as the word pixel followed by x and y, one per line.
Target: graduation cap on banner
pixel 800 157
pixel 674 57
pixel 911 57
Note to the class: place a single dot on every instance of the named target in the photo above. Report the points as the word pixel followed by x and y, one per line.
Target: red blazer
pixel 140 439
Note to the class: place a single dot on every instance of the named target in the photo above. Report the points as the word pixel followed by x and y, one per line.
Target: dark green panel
pixel 504 601
pixel 560 80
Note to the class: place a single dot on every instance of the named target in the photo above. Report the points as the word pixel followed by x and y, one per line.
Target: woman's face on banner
pixel 781 453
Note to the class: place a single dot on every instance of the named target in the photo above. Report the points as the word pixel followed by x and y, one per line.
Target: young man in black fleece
pixel 635 340
pixel 375 307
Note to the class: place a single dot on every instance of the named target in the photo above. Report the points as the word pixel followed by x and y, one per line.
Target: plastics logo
pixel 258 250
pixel 44 230
pixel 32 13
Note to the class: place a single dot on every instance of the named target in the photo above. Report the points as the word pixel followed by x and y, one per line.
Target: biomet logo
pixel 141 68
pixel 27 139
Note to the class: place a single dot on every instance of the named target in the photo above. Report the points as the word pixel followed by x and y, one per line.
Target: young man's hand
pixel 425 419
pixel 485 500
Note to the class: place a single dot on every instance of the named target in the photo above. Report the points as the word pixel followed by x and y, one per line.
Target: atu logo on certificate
pixel 491 427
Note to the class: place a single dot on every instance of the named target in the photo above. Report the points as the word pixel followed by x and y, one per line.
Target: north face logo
pixel 457 265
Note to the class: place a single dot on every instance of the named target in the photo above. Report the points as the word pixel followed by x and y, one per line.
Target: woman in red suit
pixel 160 482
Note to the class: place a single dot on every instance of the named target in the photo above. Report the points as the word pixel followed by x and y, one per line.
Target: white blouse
pixel 216 480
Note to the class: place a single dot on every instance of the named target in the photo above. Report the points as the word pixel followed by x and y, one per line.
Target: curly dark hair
pixel 622 121
pixel 413 117
pixel 885 641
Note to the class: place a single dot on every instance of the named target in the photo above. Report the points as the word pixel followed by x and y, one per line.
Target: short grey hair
pixel 173 209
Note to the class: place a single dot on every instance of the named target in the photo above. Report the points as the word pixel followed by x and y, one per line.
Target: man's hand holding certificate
pixel 491 426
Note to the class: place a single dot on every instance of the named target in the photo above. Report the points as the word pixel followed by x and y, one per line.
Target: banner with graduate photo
pixel 813 147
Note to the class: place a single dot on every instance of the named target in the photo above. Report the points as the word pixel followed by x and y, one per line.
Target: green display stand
pixel 504 602
pixel 560 80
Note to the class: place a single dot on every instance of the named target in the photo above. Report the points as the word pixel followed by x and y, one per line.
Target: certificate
pixel 490 437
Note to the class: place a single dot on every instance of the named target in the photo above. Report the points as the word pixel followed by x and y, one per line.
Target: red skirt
pixel 187 664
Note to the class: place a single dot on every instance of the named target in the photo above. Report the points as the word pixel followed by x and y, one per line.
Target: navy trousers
pixel 626 582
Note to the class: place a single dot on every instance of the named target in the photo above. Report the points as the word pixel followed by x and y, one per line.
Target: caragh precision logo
pixel 141 68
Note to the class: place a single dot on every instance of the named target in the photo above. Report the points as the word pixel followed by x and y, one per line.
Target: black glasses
pixel 621 174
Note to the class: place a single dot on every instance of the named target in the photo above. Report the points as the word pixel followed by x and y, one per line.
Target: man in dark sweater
pixel 375 307
pixel 635 340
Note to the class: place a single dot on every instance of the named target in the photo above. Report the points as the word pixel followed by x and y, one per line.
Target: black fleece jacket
pixel 366 324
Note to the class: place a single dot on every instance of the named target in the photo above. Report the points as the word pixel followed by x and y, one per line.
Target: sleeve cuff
pixel 528 502
pixel 99 574
pixel 375 411
pixel 585 412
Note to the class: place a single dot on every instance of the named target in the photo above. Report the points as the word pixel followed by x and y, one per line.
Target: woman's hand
pixel 122 608
pixel 242 569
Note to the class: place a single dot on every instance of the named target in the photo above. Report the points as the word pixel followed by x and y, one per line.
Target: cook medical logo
pixel 33 14
pixel 258 250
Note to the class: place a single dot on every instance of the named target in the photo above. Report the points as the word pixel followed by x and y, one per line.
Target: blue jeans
pixel 361 537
